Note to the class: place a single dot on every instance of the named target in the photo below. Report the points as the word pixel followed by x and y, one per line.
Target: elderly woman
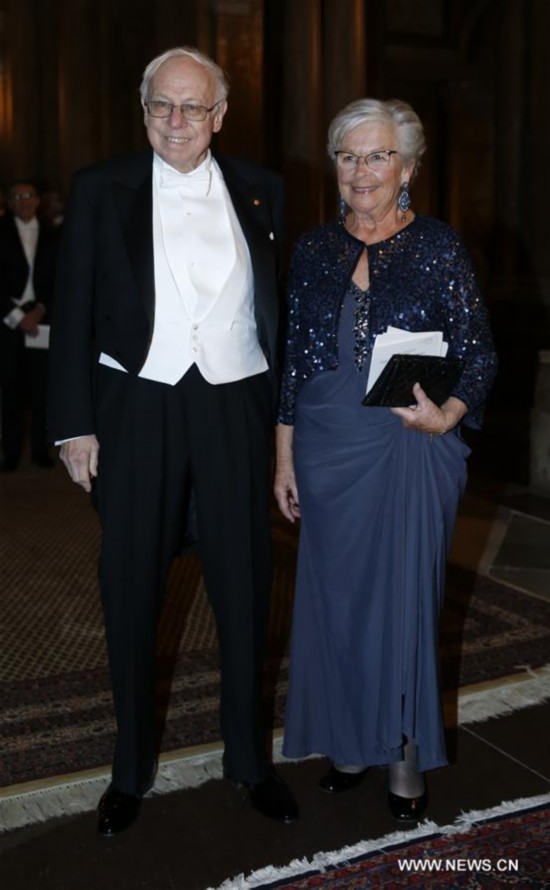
pixel 376 488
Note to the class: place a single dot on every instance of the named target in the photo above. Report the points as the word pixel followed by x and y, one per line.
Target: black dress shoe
pixel 336 781
pixel 273 798
pixel 116 811
pixel 407 809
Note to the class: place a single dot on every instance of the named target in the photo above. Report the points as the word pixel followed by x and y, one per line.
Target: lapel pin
pixel 256 202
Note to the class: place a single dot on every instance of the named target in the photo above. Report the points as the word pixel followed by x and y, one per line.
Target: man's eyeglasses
pixel 22 196
pixel 188 111
pixel 376 160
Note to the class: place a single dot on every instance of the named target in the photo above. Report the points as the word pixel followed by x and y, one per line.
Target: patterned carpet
pixel 512 848
pixel 55 707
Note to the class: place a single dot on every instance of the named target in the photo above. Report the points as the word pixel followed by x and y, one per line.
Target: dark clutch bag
pixel 393 388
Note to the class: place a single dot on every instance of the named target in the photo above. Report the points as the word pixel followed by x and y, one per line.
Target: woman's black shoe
pixel 407 809
pixel 336 781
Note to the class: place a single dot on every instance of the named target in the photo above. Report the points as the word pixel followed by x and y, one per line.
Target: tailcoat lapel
pixel 254 211
pixel 253 214
pixel 133 197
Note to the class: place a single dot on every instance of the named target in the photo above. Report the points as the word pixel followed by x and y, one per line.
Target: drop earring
pixel 404 200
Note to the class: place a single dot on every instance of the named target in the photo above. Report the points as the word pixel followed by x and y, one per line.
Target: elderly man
pixel 162 381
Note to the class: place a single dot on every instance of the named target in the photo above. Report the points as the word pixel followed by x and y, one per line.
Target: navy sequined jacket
pixel 421 279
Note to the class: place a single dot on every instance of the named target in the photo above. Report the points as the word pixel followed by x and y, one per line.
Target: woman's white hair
pixel 188 52
pixel 393 112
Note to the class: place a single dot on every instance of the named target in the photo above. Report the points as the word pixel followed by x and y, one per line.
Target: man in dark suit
pixel 162 378
pixel 27 276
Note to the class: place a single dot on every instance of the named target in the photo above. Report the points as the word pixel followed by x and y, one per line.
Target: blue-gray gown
pixel 378 505
pixel 378 501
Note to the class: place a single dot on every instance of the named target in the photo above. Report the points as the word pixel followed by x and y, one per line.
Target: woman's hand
pixel 427 417
pixel 286 492
pixel 30 321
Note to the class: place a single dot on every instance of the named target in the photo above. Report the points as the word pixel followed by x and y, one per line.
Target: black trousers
pixel 155 442
pixel 24 384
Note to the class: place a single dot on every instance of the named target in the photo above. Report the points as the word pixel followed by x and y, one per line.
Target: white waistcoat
pixel 204 289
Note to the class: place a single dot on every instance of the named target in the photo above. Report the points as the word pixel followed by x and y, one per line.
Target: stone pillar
pixel 537 148
pixel 6 105
pixel 304 157
pixel 345 54
pixel 84 99
pixel 239 51
pixel 522 148
pixel 28 87
pixel 520 293
pixel 344 73
pixel 540 428
pixel 510 126
pixel 325 61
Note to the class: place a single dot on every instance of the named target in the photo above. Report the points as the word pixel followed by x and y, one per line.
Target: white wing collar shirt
pixel 204 289
pixel 28 235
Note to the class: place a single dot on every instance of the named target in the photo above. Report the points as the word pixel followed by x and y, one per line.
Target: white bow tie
pixel 198 182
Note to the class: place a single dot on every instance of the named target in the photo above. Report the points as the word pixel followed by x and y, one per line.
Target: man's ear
pixel 219 115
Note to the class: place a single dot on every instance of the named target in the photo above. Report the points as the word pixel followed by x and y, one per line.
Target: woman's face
pixel 371 192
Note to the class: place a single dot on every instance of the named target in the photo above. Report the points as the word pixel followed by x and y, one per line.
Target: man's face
pixel 183 144
pixel 24 201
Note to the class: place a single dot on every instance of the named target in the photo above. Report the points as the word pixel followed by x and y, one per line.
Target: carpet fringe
pixel 532 689
pixel 319 863
pixel 81 795
pixel 40 805
pixel 466 821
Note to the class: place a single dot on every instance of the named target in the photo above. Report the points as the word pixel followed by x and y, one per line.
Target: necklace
pixel 361 315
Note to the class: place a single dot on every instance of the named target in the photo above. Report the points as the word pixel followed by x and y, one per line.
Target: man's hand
pixel 30 321
pixel 80 456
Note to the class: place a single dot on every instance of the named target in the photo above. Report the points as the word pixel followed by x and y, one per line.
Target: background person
pixel 51 208
pixel 28 252
pixel 377 489
pixel 162 366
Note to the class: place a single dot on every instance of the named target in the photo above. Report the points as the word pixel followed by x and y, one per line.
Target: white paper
pixel 398 341
pixel 41 341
